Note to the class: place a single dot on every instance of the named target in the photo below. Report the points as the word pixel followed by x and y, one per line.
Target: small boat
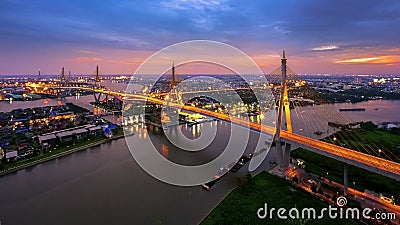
pixel 352 109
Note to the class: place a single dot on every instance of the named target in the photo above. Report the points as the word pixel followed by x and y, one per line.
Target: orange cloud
pixel 86 52
pixel 86 59
pixel 394 50
pixel 388 59
pixel 325 48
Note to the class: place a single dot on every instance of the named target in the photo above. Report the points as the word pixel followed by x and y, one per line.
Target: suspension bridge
pixel 365 158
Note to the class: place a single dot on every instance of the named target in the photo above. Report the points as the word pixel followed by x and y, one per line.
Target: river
pixel 307 120
pixel 105 185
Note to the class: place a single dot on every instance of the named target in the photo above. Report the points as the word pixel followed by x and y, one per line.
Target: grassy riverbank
pixel 241 205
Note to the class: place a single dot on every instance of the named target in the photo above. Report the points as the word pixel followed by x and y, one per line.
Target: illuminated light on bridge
pixel 359 159
pixel 368 162
pixel 346 155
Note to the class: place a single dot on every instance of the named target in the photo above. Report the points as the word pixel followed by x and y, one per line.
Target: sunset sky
pixel 320 36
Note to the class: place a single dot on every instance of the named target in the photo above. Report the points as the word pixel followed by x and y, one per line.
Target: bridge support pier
pixel 283 154
pixel 286 155
pixel 345 178
pixel 96 97
pixel 279 154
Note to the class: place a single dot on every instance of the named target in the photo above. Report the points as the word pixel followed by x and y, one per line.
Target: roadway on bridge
pixel 359 159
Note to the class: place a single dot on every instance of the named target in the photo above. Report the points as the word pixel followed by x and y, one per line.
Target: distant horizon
pixel 355 37
pixel 196 74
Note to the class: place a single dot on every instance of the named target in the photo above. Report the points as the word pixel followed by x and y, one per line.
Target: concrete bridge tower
pixel 63 78
pixel 175 98
pixel 97 81
pixel 173 81
pixel 283 155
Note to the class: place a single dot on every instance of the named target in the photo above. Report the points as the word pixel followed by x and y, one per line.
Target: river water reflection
pixel 105 185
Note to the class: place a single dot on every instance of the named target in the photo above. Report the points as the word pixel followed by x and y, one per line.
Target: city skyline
pixel 357 37
pixel 200 112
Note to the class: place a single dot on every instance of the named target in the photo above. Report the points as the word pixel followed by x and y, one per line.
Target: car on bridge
pixel 312 181
pixel 209 185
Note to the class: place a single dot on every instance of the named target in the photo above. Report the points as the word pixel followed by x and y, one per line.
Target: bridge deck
pixel 359 159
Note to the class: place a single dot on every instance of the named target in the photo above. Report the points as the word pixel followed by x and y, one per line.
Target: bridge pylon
pixel 97 81
pixel 63 78
pixel 173 80
pixel 173 97
pixel 63 82
pixel 283 155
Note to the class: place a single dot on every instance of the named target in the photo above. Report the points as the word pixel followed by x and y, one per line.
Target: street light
pixel 379 151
